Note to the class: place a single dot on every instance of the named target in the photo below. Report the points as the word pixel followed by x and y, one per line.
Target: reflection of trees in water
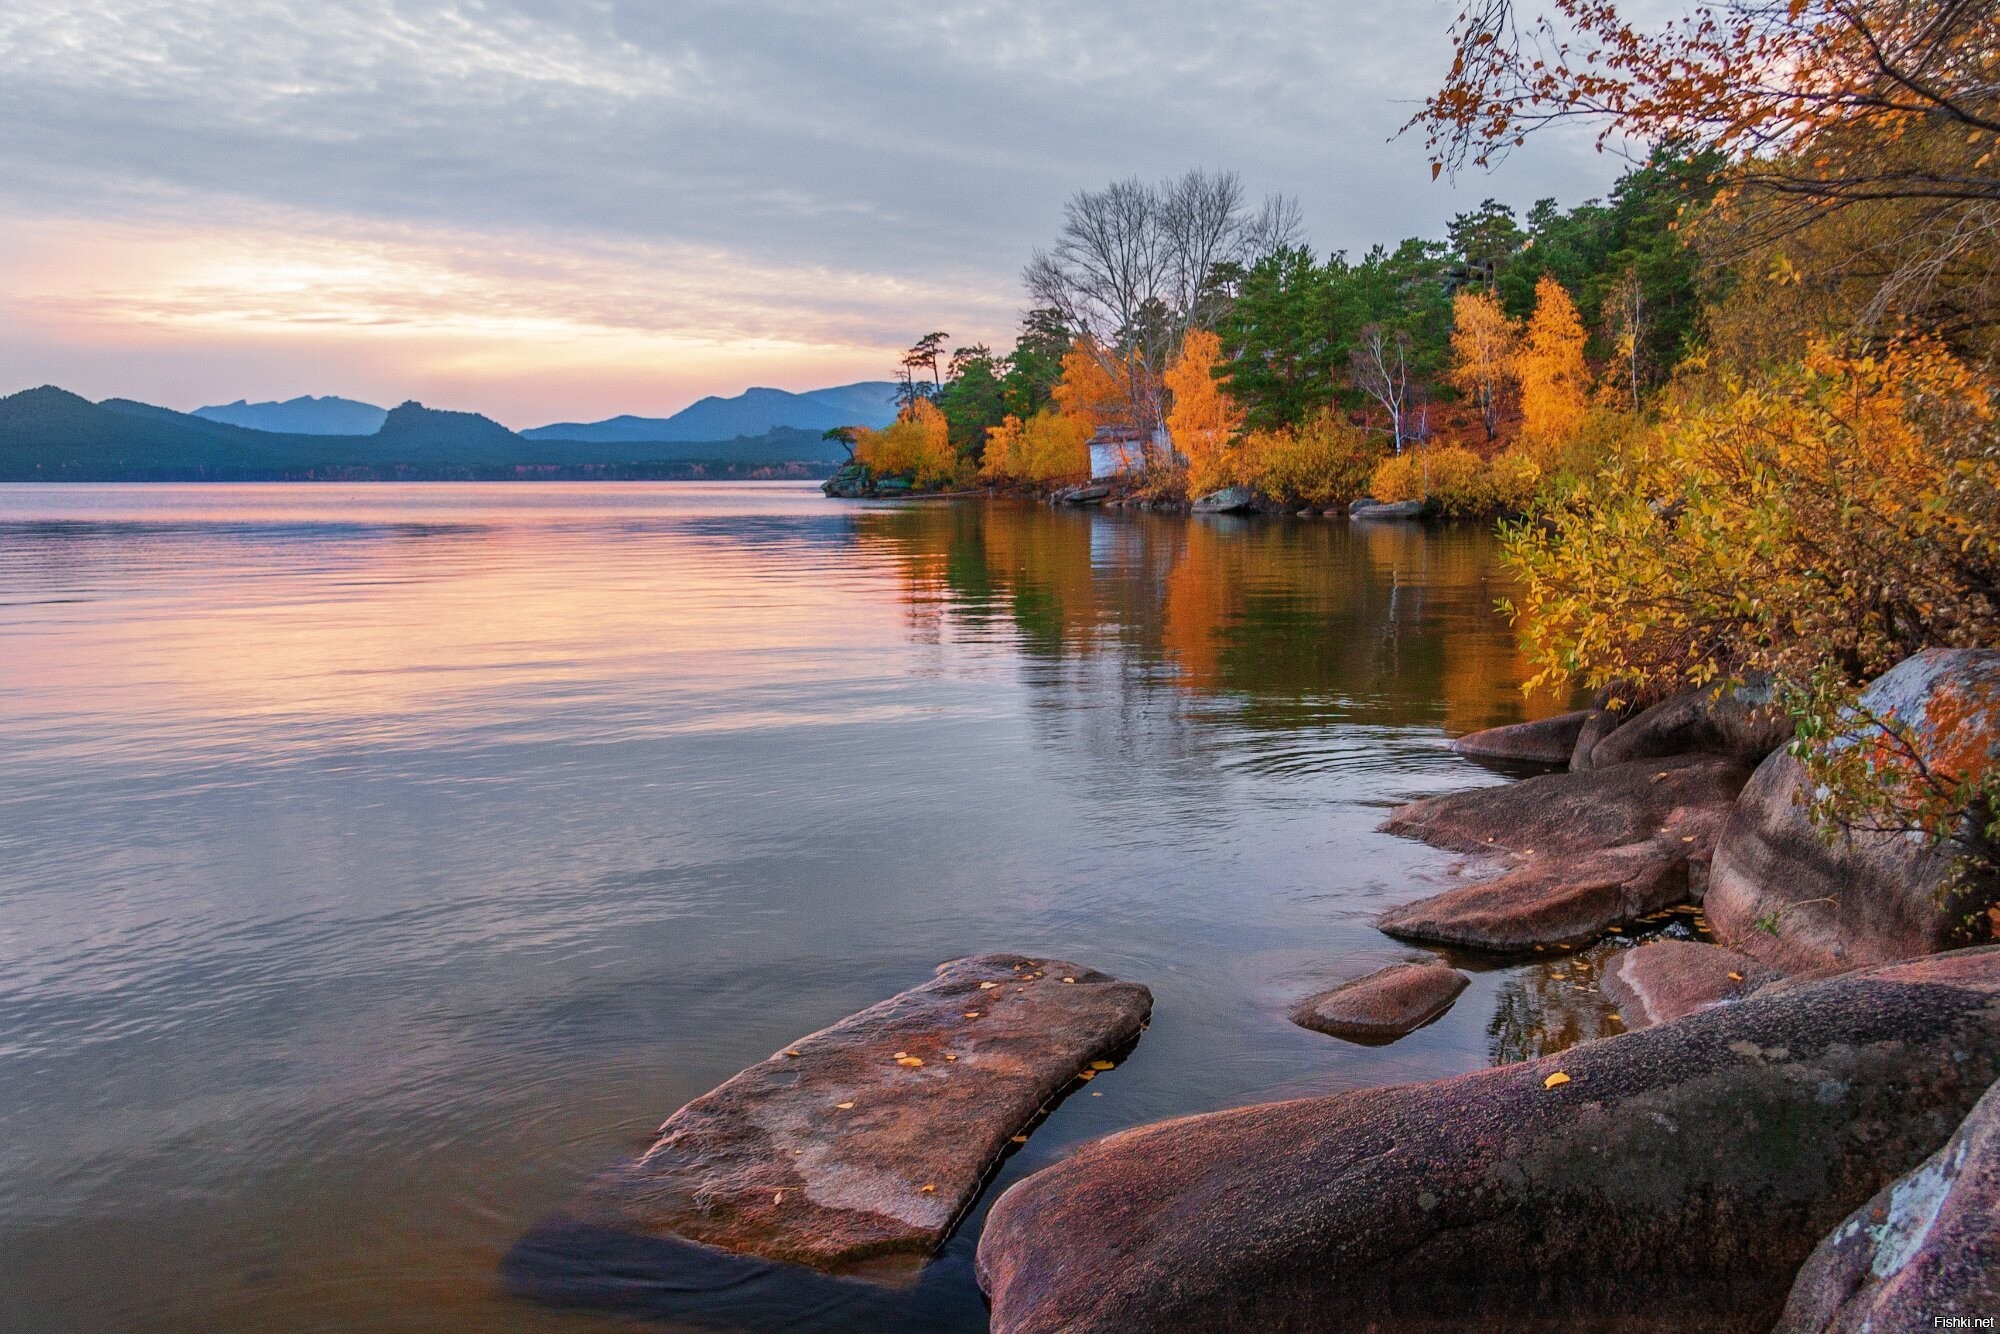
pixel 1552 1006
pixel 1378 623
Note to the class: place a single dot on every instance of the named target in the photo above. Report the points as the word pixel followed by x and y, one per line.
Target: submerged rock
pixel 1744 722
pixel 1665 979
pixel 1385 1005
pixel 1927 1245
pixel 1786 895
pixel 858 1146
pixel 1229 500
pixel 1668 1179
pixel 1544 741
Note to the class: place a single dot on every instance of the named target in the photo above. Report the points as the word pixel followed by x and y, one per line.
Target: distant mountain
pixel 753 412
pixel 305 415
pixel 50 434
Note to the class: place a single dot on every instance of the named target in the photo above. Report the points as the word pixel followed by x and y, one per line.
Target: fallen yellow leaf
pixel 930 1190
pixel 791 1053
pixel 780 1198
pixel 1736 977
pixel 1102 1065
pixel 972 1014
pixel 912 1061
pixel 1086 1074
pixel 844 1106
pixel 1553 1080
pixel 1069 979
pixel 1615 1018
pixel 988 986
pixel 901 1054
pixel 949 1057
pixel 1020 1139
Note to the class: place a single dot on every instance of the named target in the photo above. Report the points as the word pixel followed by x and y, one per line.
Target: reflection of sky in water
pixel 379 861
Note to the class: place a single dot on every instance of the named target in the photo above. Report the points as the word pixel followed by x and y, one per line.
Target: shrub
pixel 1452 478
pixel 1840 513
pixel 1048 447
pixel 1322 462
pixel 916 445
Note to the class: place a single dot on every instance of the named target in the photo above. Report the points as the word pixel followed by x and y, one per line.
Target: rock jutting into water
pixel 1744 722
pixel 1385 1005
pixel 1664 979
pixel 1669 1179
pixel 1386 509
pixel 1576 854
pixel 856 1148
pixel 1544 741
pixel 1229 500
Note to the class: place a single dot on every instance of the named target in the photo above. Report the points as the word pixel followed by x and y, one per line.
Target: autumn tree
pixel 1815 107
pixel 1554 377
pixel 1204 420
pixel 1483 344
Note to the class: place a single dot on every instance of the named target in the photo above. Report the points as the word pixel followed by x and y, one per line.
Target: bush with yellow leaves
pixel 917 445
pixel 1323 461
pixel 1049 447
pixel 1835 515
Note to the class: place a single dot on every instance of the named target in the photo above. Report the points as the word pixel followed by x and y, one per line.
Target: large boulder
pixel 1229 500
pixel 1796 900
pixel 1612 707
pixel 1668 1179
pixel 1385 1005
pixel 1927 1246
pixel 857 1147
pixel 1744 722
pixel 1664 979
pixel 1575 854
pixel 1542 741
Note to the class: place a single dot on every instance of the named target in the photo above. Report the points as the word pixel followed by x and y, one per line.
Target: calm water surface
pixel 376 863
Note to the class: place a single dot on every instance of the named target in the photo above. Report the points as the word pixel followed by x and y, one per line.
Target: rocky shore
pixel 1781 1132
pixel 1794 1125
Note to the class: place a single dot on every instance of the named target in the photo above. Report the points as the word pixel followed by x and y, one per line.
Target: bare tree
pixel 1381 366
pixel 1133 269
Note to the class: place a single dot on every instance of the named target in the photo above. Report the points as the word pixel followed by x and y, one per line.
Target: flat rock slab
pixel 1926 1246
pixel 1385 1005
pixel 1574 812
pixel 1544 741
pixel 1664 979
pixel 1576 853
pixel 1550 900
pixel 1672 1179
pixel 857 1148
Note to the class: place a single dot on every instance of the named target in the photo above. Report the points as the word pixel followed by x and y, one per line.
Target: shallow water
pixel 378 862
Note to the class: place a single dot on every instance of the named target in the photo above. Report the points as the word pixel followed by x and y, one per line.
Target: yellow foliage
pixel 1458 482
pixel 1204 420
pixel 1048 447
pixel 1842 512
pixel 1321 462
pixel 916 445
pixel 1555 379
pixel 1483 348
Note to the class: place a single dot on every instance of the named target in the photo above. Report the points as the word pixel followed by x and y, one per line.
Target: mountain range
pixel 754 412
pixel 50 434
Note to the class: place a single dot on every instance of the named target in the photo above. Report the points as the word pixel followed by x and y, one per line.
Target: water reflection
pixel 378 863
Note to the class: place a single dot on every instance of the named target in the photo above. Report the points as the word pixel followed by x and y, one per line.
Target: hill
pixel 304 415
pixel 50 434
pixel 754 412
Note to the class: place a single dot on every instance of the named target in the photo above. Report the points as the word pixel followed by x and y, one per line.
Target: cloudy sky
pixel 564 209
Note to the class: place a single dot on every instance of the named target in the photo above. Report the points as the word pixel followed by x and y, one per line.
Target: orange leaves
pixel 917 445
pixel 1483 345
pixel 1555 380
pixel 1204 420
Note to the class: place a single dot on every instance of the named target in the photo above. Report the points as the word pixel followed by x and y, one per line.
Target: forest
pixel 1738 418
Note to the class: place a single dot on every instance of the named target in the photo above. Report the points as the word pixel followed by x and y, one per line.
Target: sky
pixel 566 209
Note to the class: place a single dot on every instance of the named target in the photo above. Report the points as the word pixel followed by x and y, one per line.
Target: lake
pixel 379 862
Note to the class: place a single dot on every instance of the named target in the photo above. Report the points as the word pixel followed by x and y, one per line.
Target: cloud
pixel 818 173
